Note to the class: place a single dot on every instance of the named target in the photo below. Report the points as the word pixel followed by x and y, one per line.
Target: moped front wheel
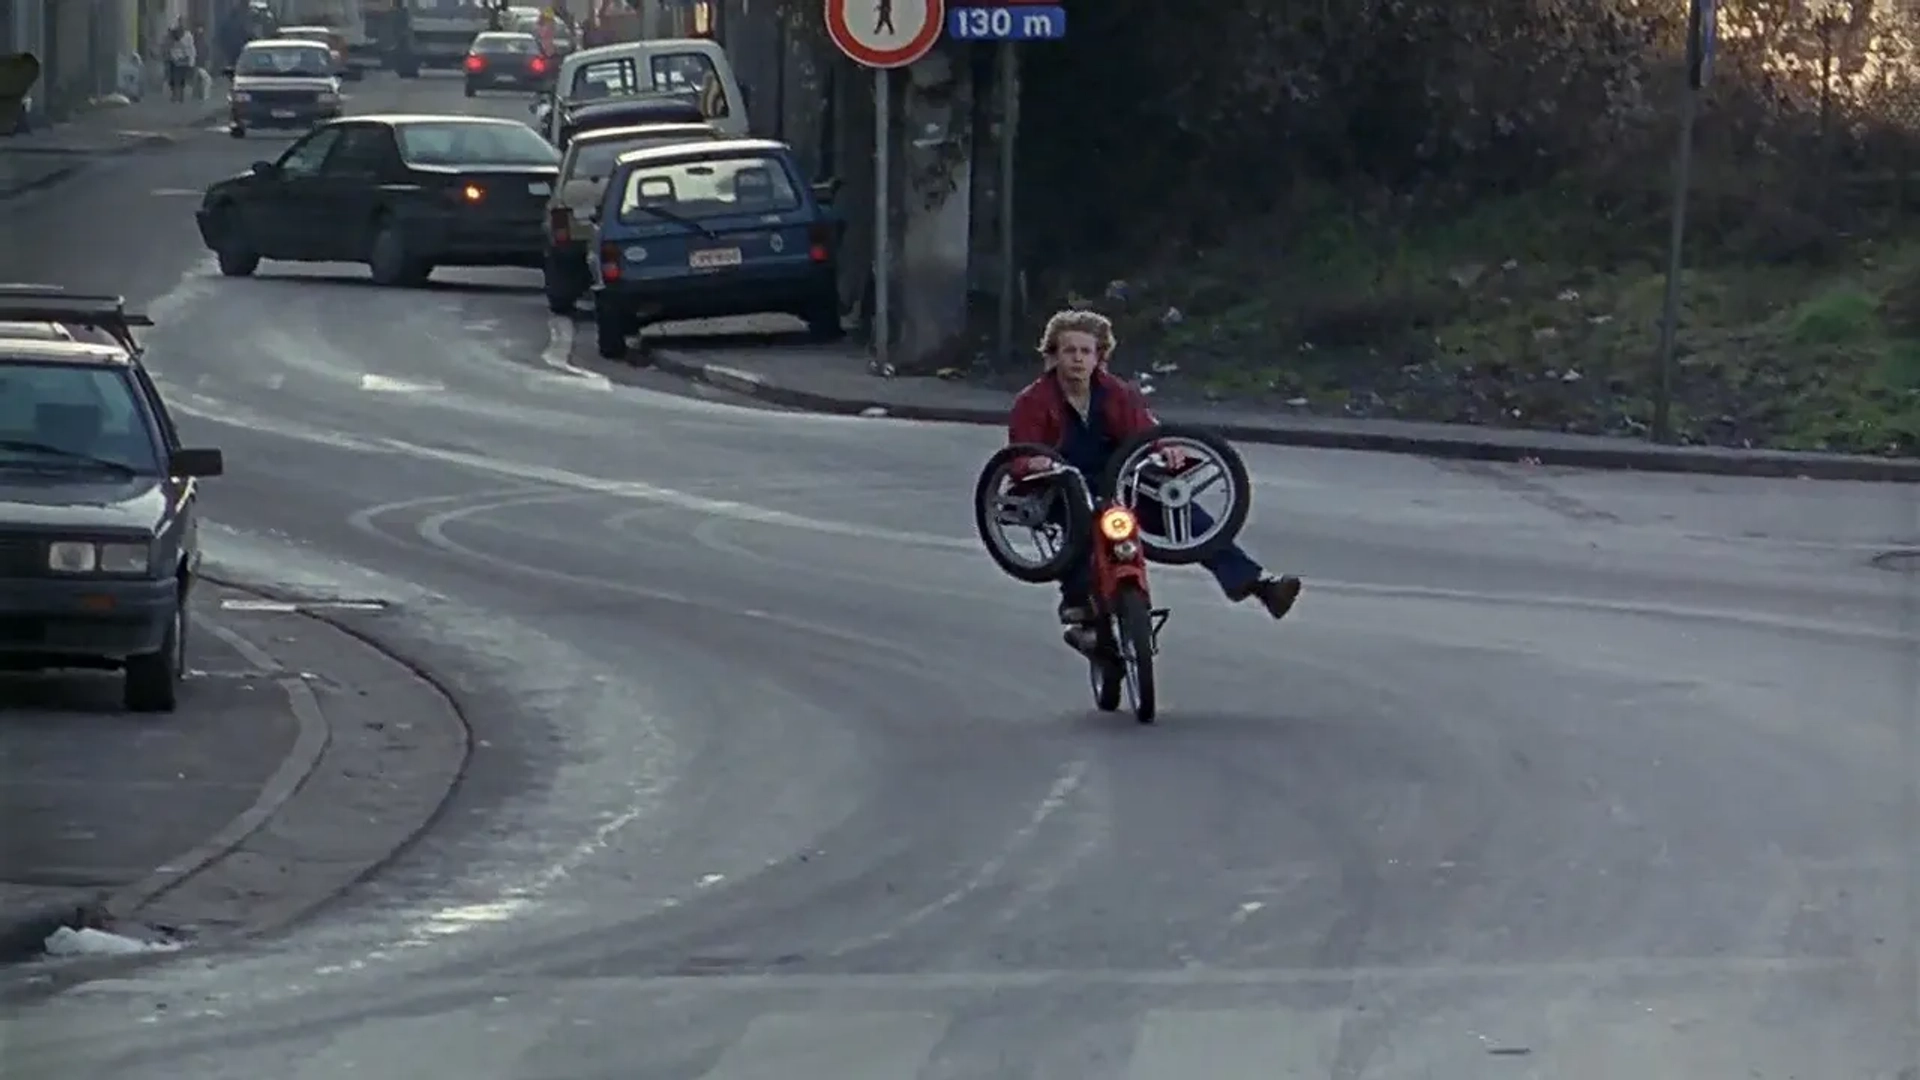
pixel 1109 680
pixel 1133 641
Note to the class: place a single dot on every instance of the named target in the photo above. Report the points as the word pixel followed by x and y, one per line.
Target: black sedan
pixel 99 541
pixel 282 83
pixel 589 115
pixel 506 61
pixel 401 193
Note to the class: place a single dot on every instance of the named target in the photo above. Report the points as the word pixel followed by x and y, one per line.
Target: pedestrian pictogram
pixel 885 33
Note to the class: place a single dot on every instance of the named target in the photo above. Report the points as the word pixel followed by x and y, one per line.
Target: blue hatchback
pixel 710 229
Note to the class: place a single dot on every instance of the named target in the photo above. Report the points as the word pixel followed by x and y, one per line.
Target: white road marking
pixel 278 607
pixel 1236 1044
pixel 558 354
pixel 844 1046
pixel 177 192
pixel 382 384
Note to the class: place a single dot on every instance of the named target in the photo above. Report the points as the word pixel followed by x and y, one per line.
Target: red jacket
pixel 1040 411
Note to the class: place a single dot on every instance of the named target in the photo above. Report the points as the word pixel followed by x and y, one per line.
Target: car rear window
pixel 506 45
pixel 710 187
pixel 79 409
pixel 474 144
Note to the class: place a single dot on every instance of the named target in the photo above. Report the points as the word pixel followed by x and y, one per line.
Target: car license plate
pixel 283 114
pixel 714 257
pixel 539 187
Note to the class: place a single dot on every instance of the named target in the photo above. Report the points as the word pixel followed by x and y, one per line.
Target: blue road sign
pixel 1022 22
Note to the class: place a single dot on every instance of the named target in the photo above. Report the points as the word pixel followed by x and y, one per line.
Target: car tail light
pixel 609 262
pixel 474 63
pixel 820 243
pixel 539 65
pixel 561 222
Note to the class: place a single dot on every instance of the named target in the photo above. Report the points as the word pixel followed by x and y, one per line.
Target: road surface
pixel 1549 775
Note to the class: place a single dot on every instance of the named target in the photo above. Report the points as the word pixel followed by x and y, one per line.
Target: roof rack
pixel 55 304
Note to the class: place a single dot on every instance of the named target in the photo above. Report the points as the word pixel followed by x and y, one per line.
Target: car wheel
pixel 233 251
pixel 823 320
pixel 151 682
pixel 562 295
pixel 390 262
pixel 610 331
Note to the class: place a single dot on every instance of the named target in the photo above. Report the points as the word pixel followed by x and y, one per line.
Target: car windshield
pixel 505 45
pixel 64 415
pixel 710 188
pixel 283 60
pixel 474 144
pixel 595 159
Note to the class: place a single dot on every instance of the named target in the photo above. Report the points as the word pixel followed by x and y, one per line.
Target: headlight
pixel 329 97
pixel 72 558
pixel 79 557
pixel 239 97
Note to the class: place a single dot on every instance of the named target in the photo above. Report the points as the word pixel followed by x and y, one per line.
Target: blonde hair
pixel 1077 320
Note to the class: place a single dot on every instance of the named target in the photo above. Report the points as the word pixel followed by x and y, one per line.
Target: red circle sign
pixel 885 33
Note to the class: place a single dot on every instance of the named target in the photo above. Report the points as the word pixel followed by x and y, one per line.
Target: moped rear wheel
pixel 1133 640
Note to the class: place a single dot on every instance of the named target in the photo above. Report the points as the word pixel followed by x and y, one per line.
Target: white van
pixel 694 66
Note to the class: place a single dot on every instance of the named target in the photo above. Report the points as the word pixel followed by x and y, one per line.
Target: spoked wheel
pixel 1133 646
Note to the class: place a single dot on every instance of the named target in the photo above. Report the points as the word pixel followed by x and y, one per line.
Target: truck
pixel 345 16
pixel 443 30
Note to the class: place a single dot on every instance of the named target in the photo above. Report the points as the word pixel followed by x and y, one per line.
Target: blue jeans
pixel 1233 568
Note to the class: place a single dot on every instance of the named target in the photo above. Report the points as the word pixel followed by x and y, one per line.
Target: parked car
pixel 575 202
pixel 281 83
pixel 503 61
pixel 401 193
pixel 99 500
pixel 710 229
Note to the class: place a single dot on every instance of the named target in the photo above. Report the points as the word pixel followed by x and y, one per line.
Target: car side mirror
pixel 263 168
pixel 197 463
pixel 826 190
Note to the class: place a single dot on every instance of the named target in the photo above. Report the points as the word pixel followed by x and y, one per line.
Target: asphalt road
pixel 1549 775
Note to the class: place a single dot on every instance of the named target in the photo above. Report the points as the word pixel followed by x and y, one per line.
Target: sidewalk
pixel 48 155
pixel 835 379
pixel 299 759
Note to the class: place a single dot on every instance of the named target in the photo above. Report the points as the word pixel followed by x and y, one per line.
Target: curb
pixel 1628 456
pixel 146 141
pixel 23 936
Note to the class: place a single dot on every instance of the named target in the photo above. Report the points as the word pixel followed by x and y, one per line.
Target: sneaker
pixel 1074 613
pixel 1276 594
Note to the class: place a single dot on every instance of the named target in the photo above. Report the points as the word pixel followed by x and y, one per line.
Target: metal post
pixel 882 217
pixel 1009 138
pixel 1670 306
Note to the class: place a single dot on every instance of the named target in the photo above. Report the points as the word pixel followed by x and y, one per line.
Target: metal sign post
pixel 1701 25
pixel 882 218
pixel 883 35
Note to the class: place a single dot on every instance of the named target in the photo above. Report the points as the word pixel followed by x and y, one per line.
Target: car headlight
pixel 239 97
pixel 80 557
pixel 329 97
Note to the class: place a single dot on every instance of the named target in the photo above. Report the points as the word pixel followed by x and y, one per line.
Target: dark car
pixel 401 193
pixel 507 61
pixel 711 229
pixel 281 83
pixel 578 116
pixel 99 540
pixel 584 169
